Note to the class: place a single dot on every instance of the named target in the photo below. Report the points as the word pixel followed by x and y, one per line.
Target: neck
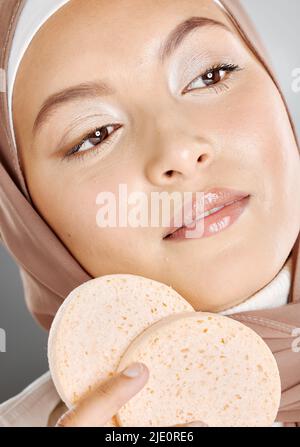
pixel 274 294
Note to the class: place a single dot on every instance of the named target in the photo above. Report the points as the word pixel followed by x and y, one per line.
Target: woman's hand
pixel 100 406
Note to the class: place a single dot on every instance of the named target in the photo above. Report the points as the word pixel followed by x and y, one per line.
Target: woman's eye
pixel 98 137
pixel 93 139
pixel 211 77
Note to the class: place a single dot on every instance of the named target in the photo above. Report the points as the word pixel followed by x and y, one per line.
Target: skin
pixel 100 406
pixel 237 136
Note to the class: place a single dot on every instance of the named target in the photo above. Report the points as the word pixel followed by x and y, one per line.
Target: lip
pixel 197 224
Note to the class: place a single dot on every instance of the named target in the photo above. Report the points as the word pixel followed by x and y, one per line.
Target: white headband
pixel 34 14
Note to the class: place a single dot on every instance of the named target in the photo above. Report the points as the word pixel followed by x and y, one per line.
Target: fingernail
pixel 197 424
pixel 133 370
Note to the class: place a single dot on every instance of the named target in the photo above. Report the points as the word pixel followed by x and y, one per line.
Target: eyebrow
pixel 89 90
pixel 182 30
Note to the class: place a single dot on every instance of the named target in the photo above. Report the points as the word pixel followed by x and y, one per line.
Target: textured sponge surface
pixel 203 367
pixel 97 322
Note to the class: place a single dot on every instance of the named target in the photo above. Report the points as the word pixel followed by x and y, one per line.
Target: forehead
pixel 108 32
pixel 91 39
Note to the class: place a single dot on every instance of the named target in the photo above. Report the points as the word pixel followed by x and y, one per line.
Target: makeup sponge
pixel 95 325
pixel 203 367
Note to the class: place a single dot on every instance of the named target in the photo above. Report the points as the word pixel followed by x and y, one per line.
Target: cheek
pixel 257 128
pixel 260 152
pixel 74 217
pixel 78 216
pixel 273 157
pixel 69 204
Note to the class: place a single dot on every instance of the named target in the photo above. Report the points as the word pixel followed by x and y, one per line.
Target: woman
pixel 159 96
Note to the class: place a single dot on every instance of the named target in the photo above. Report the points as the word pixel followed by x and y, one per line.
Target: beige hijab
pixel 49 271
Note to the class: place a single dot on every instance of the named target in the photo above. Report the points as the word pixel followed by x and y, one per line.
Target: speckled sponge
pixel 97 322
pixel 203 367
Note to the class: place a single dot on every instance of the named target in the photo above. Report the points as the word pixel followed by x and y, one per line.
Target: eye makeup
pixel 214 78
pixel 95 134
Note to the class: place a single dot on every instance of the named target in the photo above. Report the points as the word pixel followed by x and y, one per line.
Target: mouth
pixel 216 210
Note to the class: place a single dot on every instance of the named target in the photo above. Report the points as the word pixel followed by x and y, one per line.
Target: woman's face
pixel 158 132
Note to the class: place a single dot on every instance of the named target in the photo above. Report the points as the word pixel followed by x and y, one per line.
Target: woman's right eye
pixel 98 137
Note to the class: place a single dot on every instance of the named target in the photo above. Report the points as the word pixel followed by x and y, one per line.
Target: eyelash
pixel 74 152
pixel 217 87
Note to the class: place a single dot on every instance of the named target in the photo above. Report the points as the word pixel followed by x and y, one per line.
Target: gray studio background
pixel 25 357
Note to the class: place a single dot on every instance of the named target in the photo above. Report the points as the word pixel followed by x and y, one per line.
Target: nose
pixel 180 158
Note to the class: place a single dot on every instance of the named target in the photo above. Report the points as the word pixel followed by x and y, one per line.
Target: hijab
pixel 48 270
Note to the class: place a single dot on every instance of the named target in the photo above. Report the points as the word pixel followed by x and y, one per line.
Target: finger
pixel 105 401
pixel 192 424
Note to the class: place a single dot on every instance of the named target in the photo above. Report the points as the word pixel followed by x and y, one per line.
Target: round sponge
pixel 203 367
pixel 97 322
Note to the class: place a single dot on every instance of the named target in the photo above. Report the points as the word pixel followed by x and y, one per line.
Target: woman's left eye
pixel 211 77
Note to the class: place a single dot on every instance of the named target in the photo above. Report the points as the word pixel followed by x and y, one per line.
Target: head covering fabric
pixel 34 14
